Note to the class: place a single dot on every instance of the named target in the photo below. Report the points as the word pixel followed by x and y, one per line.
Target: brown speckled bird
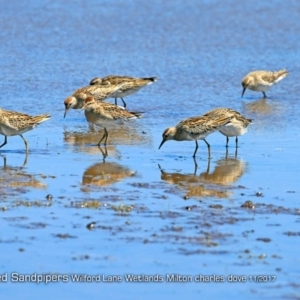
pixel 15 123
pixel 262 81
pixel 100 113
pixel 131 85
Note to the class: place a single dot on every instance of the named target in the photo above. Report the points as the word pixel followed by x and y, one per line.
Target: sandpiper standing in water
pixel 237 124
pixel 195 128
pixel 262 81
pixel 15 123
pixel 100 113
pixel 131 85
pixel 99 92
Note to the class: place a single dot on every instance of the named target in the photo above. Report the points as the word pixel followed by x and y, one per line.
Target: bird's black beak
pixel 162 142
pixel 66 110
pixel 244 89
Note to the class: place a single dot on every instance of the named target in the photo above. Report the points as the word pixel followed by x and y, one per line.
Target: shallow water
pixel 145 211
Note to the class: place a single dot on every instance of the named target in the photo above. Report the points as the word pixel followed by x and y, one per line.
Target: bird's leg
pixel 5 142
pixel 265 96
pixel 227 140
pixel 116 101
pixel 208 147
pixel 226 155
pixel 196 148
pixel 4 162
pixel 123 102
pixel 208 166
pixel 105 135
pixel 236 142
pixel 26 144
pixel 25 160
pixel 104 153
pixel 236 152
pixel 196 166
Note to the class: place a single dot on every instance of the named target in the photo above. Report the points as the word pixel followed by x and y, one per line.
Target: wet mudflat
pixel 220 227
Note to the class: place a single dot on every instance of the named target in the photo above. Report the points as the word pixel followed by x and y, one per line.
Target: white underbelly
pixel 260 87
pixel 121 94
pixel 8 131
pixel 233 129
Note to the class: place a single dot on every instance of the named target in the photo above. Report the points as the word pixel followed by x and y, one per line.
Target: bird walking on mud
pixel 194 129
pixel 262 81
pixel 101 113
pixel 237 124
pixel 15 123
pixel 131 85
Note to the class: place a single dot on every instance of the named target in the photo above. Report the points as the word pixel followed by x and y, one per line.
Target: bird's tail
pixel 150 79
pixel 41 118
pixel 138 114
pixel 248 121
pixel 281 74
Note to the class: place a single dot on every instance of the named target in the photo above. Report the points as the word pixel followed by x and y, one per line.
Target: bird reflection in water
pixel 14 177
pixel 105 173
pixel 226 172
pixel 122 135
pixel 209 184
pixel 260 107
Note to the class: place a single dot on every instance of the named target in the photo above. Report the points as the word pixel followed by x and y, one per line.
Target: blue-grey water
pixel 153 214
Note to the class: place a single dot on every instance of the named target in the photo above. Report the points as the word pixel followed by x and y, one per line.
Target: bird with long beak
pixel 99 92
pixel 103 113
pixel 262 81
pixel 194 129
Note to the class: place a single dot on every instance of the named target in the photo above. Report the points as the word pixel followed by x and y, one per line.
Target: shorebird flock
pixel 91 98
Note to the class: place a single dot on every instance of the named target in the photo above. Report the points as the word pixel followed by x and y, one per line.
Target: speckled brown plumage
pixel 99 92
pixel 195 128
pixel 15 123
pixel 237 124
pixel 130 86
pixel 100 112
pixel 262 81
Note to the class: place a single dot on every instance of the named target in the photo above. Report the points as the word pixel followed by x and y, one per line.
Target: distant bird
pixel 237 124
pixel 131 86
pixel 101 113
pixel 99 92
pixel 262 81
pixel 15 123
pixel 195 128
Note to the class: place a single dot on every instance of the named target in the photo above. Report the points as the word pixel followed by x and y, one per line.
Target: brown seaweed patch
pixel 265 240
pixel 33 225
pixel 248 204
pixel 122 209
pixel 291 233
pixel 36 203
pixel 86 204
pixel 64 236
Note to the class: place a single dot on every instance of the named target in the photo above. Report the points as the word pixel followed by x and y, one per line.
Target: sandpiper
pixel 195 128
pixel 99 92
pixel 99 113
pixel 15 123
pixel 262 81
pixel 237 124
pixel 131 86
